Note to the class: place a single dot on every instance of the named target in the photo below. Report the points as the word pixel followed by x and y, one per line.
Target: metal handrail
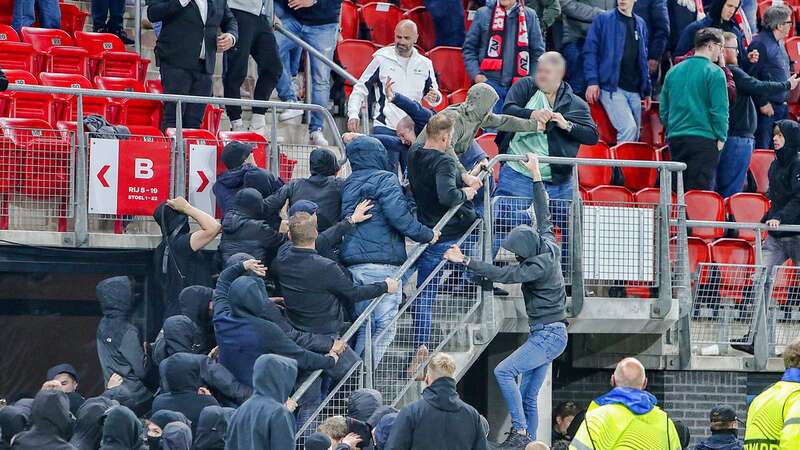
pixel 741 225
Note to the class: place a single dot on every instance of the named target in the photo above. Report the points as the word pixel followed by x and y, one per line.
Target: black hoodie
pixel 194 302
pixel 440 421
pixel 266 184
pixel 180 380
pixel 89 426
pixel 263 422
pixel 13 421
pixel 243 231
pixel 179 334
pixel 212 427
pixel 122 430
pixel 51 424
pixel 784 179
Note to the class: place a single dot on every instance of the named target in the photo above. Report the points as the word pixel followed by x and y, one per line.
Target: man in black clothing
pixel 186 50
pixel 182 387
pixel 51 424
pixel 243 231
pixel 67 378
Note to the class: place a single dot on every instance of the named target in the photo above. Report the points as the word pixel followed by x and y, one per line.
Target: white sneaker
pixel 258 124
pixel 317 138
pixel 289 114
pixel 238 125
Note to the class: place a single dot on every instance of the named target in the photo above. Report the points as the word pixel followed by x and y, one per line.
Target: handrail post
pixel 309 87
pixel 488 321
pixel 663 304
pixel 760 341
pixel 180 152
pixel 369 358
pixel 575 236
pixel 275 151
pixel 685 298
pixel 137 26
pixel 81 181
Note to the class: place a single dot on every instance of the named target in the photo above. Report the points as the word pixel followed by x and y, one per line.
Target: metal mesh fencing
pixel 294 161
pixel 682 268
pixel 334 403
pixel 784 306
pixel 726 298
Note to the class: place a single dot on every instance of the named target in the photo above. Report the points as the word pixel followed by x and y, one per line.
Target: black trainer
pixel 742 345
pixel 514 441
pixel 123 37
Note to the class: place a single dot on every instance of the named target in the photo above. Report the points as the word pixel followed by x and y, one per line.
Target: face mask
pixel 154 443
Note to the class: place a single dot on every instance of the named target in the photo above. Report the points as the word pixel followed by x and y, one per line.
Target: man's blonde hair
pixel 335 427
pixel 441 365
pixel 791 355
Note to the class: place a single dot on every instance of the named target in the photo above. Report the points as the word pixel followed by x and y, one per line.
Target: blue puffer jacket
pixel 603 50
pixel 379 240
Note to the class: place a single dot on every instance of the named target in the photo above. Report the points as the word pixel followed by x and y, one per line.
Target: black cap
pixel 62 368
pixel 723 413
pixel 234 153
pixel 306 206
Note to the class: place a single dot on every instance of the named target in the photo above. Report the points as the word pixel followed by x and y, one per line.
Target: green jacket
pixel 694 100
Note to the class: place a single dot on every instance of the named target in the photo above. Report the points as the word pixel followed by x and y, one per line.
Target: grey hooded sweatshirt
pixel 539 269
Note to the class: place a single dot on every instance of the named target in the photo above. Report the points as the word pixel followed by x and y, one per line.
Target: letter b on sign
pixel 143 168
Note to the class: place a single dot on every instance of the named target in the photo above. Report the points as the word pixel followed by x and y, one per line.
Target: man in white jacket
pixel 412 74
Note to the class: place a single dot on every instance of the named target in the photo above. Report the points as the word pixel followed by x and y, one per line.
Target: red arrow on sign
pixel 101 175
pixel 204 179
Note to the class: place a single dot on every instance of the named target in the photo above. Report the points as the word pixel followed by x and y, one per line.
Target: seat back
pixel 637 178
pixel 448 63
pixel 355 55
pixel 592 176
pixel 98 43
pixel 459 96
pixel 22 131
pixel 698 252
pixel 759 168
pixel 488 144
pixel 68 80
pixel 611 194
pixel 652 131
pixel 18 55
pixel 747 207
pixel 8 34
pixel 424 21
pixel 16 76
pixel 68 105
pixel 72 18
pixel 792 45
pixel 608 133
pixel 733 279
pixel 705 205
pixel 381 19
pixel 258 142
pixel 43 39
pixel 118 84
pixel 652 196
pixel 349 20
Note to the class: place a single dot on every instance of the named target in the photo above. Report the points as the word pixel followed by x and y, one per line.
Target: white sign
pixel 202 176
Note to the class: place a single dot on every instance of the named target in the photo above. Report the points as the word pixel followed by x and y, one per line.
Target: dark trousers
pixel 448 20
pixel 180 81
pixel 701 157
pixel 256 39
pixel 573 54
pixel 766 124
pixel 107 15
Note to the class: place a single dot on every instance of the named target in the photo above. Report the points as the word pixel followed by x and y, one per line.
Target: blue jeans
pixel 766 124
pixel 502 91
pixel 24 14
pixel 624 109
pixel 323 38
pixel 573 53
pixel 422 309
pixel 383 330
pixel 733 163
pixel 545 343
pixel 448 21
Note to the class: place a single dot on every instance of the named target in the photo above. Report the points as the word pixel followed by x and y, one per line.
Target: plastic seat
pixel 618 195
pixel 67 105
pixel 57 51
pixel 652 131
pixel 131 111
pixel 424 21
pixel 8 34
pixel 747 207
pixel 698 253
pixel 72 18
pixel 705 205
pixel 14 76
pixel 652 196
pixel 459 96
pixel 18 55
pixel 735 270
pixel 258 141
pixel 355 55
pixel 411 4
pixel 792 45
pixel 608 133
pixel 592 176
pixel 381 19
pixel 636 178
pixel 487 143
pixel 212 117
pixel 448 63
pixel 349 20
pixel 109 56
pixel 6 11
pixel 759 168
pixel 27 105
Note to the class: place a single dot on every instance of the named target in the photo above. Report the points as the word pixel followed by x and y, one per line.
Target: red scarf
pixel 493 59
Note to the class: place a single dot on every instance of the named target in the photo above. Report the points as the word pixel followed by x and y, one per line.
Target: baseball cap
pixel 306 206
pixel 723 413
pixel 234 154
pixel 62 368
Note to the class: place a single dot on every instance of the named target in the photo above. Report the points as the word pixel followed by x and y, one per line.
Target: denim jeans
pixel 573 54
pixel 24 14
pixel 383 330
pixel 766 124
pixel 422 309
pixel 448 21
pixel 502 91
pixel 733 163
pixel 545 343
pixel 624 109
pixel 323 38
pixel 778 250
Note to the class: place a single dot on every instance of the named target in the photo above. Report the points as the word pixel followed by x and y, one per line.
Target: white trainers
pixel 238 125
pixel 289 114
pixel 258 124
pixel 317 138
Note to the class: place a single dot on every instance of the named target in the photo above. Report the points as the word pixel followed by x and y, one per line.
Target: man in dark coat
pixel 89 424
pixel 51 424
pixel 180 382
pixel 724 430
pixel 177 436
pixel 122 430
pixel 363 403
pixel 67 377
pixel 13 420
pixel 784 193
pixel 238 158
pixel 194 302
pixel 263 422
pixel 440 419
pixel 266 183
pixel 212 427
pixel 243 230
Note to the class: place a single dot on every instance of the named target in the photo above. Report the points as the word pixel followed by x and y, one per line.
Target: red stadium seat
pixel 355 55
pixel 72 18
pixel 792 45
pixel 381 19
pixel 57 51
pixel 131 111
pixel 411 4
pixel 142 131
pixel 14 76
pixel 652 196
pixel 731 255
pixel 18 55
pixel 705 205
pixel 424 21
pixel 747 207
pixel 592 176
pixel 652 131
pixel 698 253
pixel 611 194
pixel 153 87
pixel 487 143
pixel 349 20
pixel 608 133
pixel 6 11
pixel 759 168
pixel 8 34
pixel 109 56
pixel 459 96
pixel 212 117
pixel 26 105
pixel 442 104
pixel 67 105
pixel 258 141
pixel 636 179
pixel 448 63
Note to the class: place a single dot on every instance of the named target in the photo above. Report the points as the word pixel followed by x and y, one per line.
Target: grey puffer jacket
pixel 579 14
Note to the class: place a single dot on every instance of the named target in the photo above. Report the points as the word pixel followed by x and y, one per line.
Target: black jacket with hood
pixel 89 424
pixel 266 183
pixel 243 230
pixel 51 424
pixel 194 302
pixel 122 430
pixel 539 268
pixel 212 427
pixel 439 421
pixel 228 184
pixel 118 344
pixel 180 380
pixel 784 179
pixel 176 436
pixel 263 422
pixel 13 420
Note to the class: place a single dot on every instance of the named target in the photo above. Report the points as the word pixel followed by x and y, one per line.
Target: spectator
pixel 563 415
pixel 186 50
pixel 266 183
pixel 89 423
pixel 182 387
pixel 194 302
pixel 376 249
pixel 335 427
pixel 238 158
pixel 257 39
pixel 335 430
pixel 539 272
pixel 721 16
pixel 263 421
pixel 243 230
pixel 177 436
pixel 383 430
pixel 627 411
pixel 773 65
pixel 107 17
pixel 178 335
pixel 616 68
pixel 402 65
pixel 119 346
pixel 420 424
pixel 735 157
pixel 179 261
pixel 502 45
pixel 323 188
pixel 67 377
pixel 694 111
pixel 51 424
pixel 773 417
pixel 211 428
pixel 363 403
pixel 548 11
pixel 24 14
pixel 122 430
pixel 318 441
pixel 682 13
pixel 656 18
pixel 329 241
pixel 784 195
pixel 577 16
pixel 446 15
pixel 724 430
pixel 158 421
pixel 13 421
pixel 315 306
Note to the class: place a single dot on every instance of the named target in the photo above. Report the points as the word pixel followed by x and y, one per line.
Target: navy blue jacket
pixel 773 63
pixel 381 239
pixel 656 16
pixel 228 184
pixel 686 41
pixel 720 440
pixel 603 50
pixel 418 113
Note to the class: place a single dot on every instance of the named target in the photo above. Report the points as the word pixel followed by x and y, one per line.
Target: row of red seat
pixel 72 18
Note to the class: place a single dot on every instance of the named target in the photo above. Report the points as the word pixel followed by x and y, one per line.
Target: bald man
pixel 410 73
pixel 627 416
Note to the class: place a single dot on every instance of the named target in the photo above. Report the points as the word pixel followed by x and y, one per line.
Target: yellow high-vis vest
pixel 615 427
pixel 773 420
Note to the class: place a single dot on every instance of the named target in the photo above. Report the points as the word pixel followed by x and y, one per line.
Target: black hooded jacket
pixel 179 334
pixel 439 421
pixel 244 232
pixel 784 179
pixel 180 380
pixel 122 430
pixel 263 422
pixel 194 302
pixel 51 424
pixel 212 427
pixel 13 421
pixel 176 436
pixel 363 403
pixel 89 424
pixel 266 184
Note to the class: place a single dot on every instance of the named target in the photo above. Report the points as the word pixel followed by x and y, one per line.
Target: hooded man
pixel 719 15
pixel 178 334
pixel 539 272
pixel 194 302
pixel 177 436
pixel 122 430
pixel 243 230
pixel 89 424
pixel 784 195
pixel 238 158
pixel 13 420
pixel 266 183
pixel 263 422
pixel 363 403
pixel 118 344
pixel 180 384
pixel 51 424
pixel 323 187
pixel 67 376
pixel 156 424
pixel 212 427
